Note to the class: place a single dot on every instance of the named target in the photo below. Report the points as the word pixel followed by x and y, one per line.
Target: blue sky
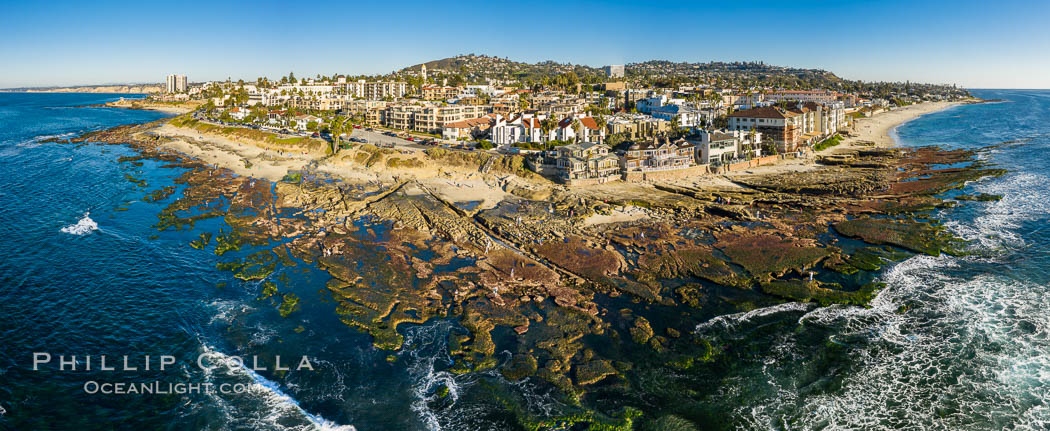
pixel 1000 44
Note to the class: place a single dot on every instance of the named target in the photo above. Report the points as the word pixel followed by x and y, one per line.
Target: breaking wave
pixel 429 346
pixel 82 227
pixel 1022 200
pixel 732 321
pixel 264 405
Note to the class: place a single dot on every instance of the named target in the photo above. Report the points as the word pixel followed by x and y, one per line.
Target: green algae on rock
pixel 980 197
pixel 766 255
pixel 289 304
pixel 911 235
pixel 201 242
pixel 821 293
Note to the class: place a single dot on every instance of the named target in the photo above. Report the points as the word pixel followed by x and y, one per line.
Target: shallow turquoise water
pixel 970 353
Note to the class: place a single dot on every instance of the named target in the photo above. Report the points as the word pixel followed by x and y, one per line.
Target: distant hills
pixel 663 73
pixel 114 88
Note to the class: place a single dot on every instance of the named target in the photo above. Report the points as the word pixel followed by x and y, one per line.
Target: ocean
pixel 950 343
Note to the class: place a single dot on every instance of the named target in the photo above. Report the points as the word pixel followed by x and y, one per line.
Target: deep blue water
pixel 971 352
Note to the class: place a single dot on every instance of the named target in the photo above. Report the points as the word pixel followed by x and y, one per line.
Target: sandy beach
pixel 878 128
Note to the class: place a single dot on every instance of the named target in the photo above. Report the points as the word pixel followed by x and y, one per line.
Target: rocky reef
pixel 592 309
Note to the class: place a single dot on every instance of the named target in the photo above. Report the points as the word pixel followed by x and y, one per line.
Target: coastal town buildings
pixel 614 71
pixel 587 163
pixel 660 153
pixel 718 147
pixel 818 96
pixel 579 127
pixel 176 84
pixel 560 126
pixel 783 127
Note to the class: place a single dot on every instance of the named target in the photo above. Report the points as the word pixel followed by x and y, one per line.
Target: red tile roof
pixel 764 112
pixel 587 122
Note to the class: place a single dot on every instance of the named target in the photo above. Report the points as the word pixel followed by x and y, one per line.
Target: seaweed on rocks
pixel 980 197
pixel 767 255
pixel 821 293
pixel 919 237
pixel 532 277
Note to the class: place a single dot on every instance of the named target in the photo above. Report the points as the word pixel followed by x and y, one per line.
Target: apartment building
pixel 430 118
pixel 176 84
pixel 726 146
pixel 382 90
pixel 614 71
pixel 783 127
pixel 434 92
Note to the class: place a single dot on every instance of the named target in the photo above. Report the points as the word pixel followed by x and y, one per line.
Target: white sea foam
pixel 972 353
pixel 55 136
pixel 1023 200
pixel 261 335
pixel 227 310
pixel 270 406
pixel 430 348
pixel 83 227
pixel 731 321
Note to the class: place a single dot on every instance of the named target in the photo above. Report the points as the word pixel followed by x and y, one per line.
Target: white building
pixel 687 117
pixel 382 90
pixel 614 71
pixel 586 129
pixel 239 114
pixel 818 96
pixel 524 128
pixel 176 84
pixel 721 147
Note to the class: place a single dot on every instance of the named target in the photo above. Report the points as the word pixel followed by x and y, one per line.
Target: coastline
pixel 174 109
pixel 879 128
pixel 542 259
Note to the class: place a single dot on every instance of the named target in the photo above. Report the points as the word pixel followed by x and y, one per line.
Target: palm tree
pixel 750 143
pixel 600 121
pixel 546 125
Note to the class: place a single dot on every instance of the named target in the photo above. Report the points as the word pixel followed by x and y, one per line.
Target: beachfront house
pixel 523 128
pixel 659 154
pixel 302 121
pixel 587 161
pixel 724 146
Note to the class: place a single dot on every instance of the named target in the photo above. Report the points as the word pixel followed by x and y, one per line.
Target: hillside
pixel 120 89
pixel 473 68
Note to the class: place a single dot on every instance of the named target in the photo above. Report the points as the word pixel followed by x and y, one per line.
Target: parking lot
pixel 378 139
